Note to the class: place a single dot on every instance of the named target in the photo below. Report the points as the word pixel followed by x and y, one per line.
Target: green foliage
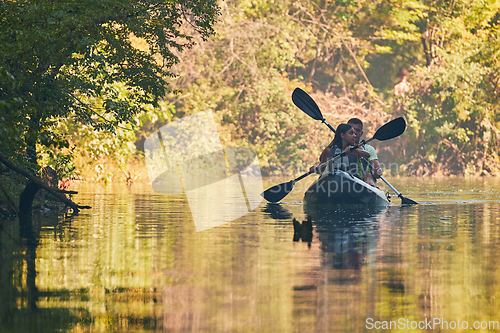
pixel 78 73
pixel 62 163
pixel 95 154
pixel 241 75
pixel 79 60
pixel 10 136
pixel 453 107
pixel 353 48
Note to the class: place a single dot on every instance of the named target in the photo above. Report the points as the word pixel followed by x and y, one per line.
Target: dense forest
pixel 433 62
pixel 86 85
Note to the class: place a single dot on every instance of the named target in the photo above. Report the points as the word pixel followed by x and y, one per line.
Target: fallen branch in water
pixel 59 194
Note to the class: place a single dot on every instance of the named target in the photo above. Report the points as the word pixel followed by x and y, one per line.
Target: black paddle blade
pixel 304 102
pixel 278 192
pixel 392 129
pixel 406 201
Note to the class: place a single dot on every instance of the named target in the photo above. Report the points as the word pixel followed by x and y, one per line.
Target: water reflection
pixel 277 211
pixel 303 231
pixel 330 292
pixel 136 262
pixel 20 309
pixel 348 235
pixel 30 233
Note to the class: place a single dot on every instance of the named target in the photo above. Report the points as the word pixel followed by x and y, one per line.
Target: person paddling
pixel 356 165
pixel 345 138
pixel 373 159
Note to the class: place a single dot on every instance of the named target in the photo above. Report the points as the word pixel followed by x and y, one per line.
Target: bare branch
pixel 59 194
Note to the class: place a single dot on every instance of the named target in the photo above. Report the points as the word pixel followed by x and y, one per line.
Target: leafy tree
pixel 453 106
pixel 358 43
pixel 246 72
pixel 59 58
pixel 353 49
pixel 66 59
pixel 241 75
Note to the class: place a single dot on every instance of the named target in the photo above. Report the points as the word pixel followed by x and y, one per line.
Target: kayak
pixel 341 188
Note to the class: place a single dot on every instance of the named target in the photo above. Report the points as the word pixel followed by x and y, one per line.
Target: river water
pixel 135 263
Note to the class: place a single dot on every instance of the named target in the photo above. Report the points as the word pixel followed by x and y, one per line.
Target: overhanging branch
pixel 59 194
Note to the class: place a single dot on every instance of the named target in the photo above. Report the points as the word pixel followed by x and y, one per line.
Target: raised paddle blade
pixel 278 192
pixel 392 129
pixel 304 102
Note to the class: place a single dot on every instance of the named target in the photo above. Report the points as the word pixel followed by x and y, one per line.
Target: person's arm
pixel 360 151
pixel 377 170
pixel 324 155
pixel 322 159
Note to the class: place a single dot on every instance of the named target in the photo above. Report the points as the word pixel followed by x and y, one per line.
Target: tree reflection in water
pixel 136 263
pixel 19 309
pixel 30 233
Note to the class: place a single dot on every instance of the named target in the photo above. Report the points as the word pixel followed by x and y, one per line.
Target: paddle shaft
pixel 404 201
pixel 369 164
pixel 382 177
pixel 304 102
pixel 301 177
pixel 327 124
pixel 392 187
pixel 336 157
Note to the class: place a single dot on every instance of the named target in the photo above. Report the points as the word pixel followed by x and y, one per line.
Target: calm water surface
pixel 135 263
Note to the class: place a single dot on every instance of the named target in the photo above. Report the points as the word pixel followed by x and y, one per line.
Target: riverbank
pixel 135 171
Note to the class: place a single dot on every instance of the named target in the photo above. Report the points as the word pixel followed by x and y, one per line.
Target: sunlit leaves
pixel 454 101
pixel 68 58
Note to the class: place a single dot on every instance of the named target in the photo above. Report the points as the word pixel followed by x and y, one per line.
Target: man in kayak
pixel 357 124
pixel 362 171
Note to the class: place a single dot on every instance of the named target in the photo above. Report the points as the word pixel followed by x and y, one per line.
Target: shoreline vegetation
pixel 104 157
pixel 84 105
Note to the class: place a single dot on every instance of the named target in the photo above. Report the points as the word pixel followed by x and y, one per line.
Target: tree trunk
pixel 427 48
pixel 31 140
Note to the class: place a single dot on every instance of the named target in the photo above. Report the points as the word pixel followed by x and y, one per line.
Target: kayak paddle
pixel 388 131
pixel 278 192
pixel 305 102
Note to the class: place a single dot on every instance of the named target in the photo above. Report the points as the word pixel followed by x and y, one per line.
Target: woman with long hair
pixel 345 139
